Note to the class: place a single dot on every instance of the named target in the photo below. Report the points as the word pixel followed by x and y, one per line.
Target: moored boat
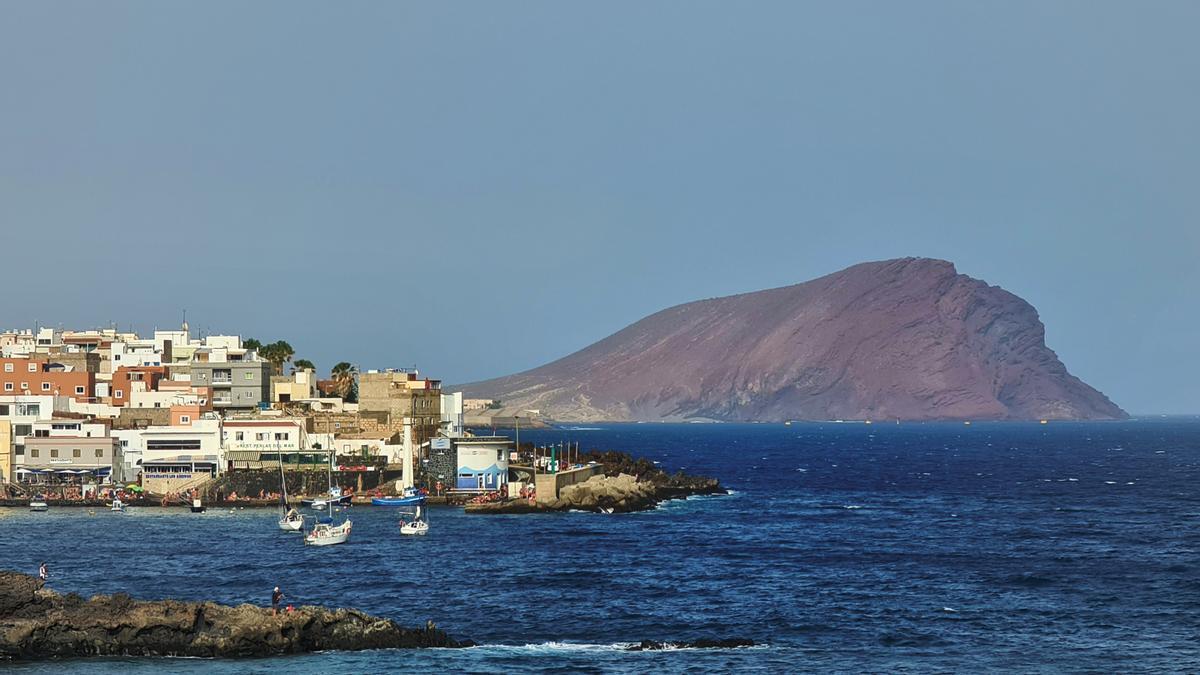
pixel 417 526
pixel 327 534
pixel 38 503
pixel 291 521
pixel 118 506
pixel 198 507
pixel 410 498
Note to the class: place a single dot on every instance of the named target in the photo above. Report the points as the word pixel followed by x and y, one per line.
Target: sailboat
pixel 418 525
pixel 326 533
pixel 291 521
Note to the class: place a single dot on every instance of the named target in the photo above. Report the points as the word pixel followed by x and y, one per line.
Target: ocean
pixel 842 547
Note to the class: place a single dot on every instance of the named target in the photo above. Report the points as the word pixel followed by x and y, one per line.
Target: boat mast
pixel 282 480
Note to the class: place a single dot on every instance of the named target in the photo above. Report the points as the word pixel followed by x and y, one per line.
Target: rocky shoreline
pixel 627 485
pixel 38 623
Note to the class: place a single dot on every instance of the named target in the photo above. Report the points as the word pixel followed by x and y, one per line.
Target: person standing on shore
pixel 276 597
pixel 43 572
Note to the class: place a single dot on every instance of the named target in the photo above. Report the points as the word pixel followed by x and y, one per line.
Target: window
pixel 31 409
pixel 33 367
pixel 124 443
pixel 20 450
pixel 75 452
pixel 54 452
pixel 260 437
pixel 239 436
pixel 45 386
pixel 22 429
pixel 184 419
pixel 249 375
pixel 24 386
pixel 281 437
pixel 33 452
pixel 79 391
pixel 157 404
pixel 99 452
pixel 120 394
pixel 41 433
pixel 4 410
pixel 8 386
pixel 8 368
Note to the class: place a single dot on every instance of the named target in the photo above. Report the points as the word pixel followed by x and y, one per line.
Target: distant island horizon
pixel 906 339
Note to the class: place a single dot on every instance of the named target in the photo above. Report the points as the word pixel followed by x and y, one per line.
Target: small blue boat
pixel 410 498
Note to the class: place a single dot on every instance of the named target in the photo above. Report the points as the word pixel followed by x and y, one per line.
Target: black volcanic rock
pixel 38 623
pixel 899 339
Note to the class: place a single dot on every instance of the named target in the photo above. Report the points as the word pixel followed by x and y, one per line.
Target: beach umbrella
pixel 135 488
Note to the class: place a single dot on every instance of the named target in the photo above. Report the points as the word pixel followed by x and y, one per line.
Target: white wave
pixel 950 609
pixel 555 647
pixel 1110 482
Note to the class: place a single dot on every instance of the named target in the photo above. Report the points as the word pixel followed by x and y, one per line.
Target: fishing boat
pixel 117 506
pixel 322 503
pixel 291 520
pixel 417 526
pixel 198 507
pixel 327 533
pixel 38 503
pixel 410 498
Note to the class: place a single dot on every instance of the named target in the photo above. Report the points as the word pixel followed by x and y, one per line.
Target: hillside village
pixel 169 413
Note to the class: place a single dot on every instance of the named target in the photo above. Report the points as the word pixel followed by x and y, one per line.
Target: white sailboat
pixel 291 520
pixel 328 534
pixel 417 526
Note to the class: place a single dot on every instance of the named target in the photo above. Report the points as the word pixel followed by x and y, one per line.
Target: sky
pixel 477 188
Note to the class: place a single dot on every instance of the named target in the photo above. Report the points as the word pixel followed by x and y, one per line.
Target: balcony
pixel 222 401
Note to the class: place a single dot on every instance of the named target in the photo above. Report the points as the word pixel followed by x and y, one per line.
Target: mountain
pixel 908 339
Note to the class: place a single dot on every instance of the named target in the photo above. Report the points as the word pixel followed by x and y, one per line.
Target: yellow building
pixel 6 451
pixel 300 386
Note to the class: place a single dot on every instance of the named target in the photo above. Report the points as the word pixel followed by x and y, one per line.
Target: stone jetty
pixel 626 485
pixel 37 623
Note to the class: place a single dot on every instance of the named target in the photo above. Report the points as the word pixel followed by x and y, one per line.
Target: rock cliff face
pixel 903 339
pixel 38 623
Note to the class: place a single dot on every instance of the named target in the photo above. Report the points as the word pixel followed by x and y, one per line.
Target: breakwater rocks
pixel 626 485
pixel 38 623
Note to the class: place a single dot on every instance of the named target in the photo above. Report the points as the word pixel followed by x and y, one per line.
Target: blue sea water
pixel 844 547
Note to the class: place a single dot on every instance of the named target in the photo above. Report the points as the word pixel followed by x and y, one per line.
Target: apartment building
pixel 41 375
pixel 235 384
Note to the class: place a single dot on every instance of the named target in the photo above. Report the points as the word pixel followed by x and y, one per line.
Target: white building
pixel 452 413
pixel 161 453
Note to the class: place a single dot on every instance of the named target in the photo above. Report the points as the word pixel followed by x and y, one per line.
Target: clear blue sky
pixel 479 187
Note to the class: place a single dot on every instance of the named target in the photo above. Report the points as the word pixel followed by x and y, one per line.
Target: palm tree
pixel 278 353
pixel 344 375
pixel 251 343
pixel 302 364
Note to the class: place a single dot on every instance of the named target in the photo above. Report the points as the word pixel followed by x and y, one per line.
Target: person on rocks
pixel 43 572
pixel 276 597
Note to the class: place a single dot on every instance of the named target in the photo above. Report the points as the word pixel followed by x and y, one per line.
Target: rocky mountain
pixel 908 339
